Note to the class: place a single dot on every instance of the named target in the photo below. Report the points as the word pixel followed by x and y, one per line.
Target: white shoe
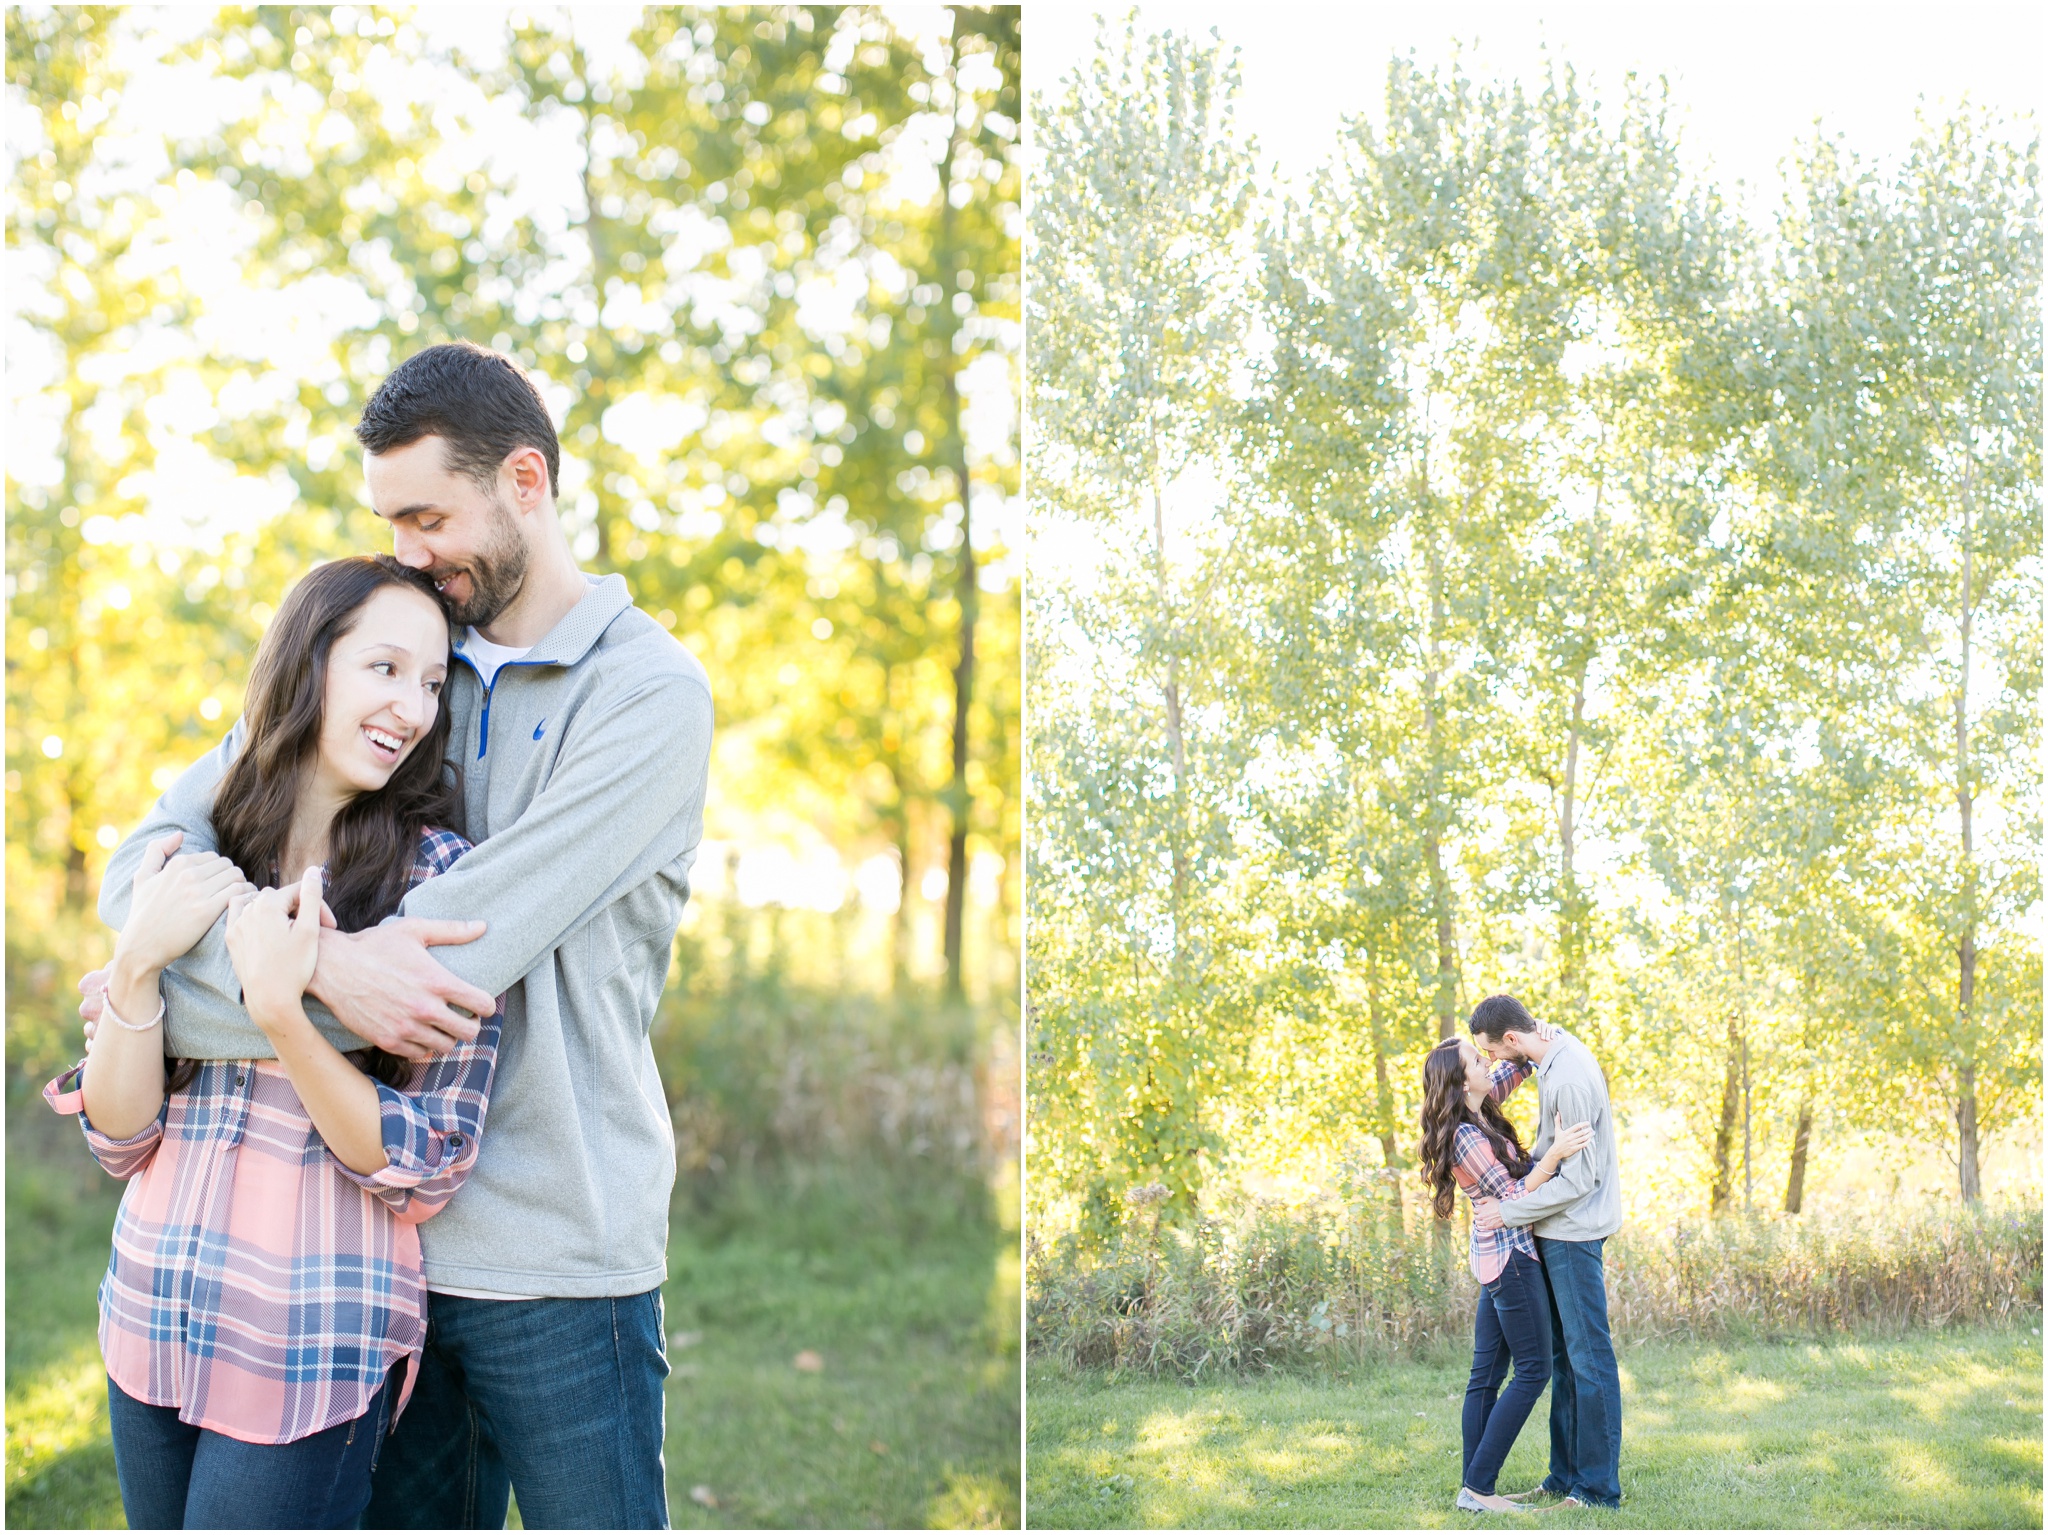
pixel 1477 1503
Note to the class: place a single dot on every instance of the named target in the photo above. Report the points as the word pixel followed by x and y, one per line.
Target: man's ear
pixel 529 470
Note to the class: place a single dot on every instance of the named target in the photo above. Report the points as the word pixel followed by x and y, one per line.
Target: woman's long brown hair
pixel 375 837
pixel 1443 1110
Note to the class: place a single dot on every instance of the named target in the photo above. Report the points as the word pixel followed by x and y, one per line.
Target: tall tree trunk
pixel 66 575
pixel 1795 1181
pixel 1966 1132
pixel 1747 1164
pixel 77 888
pixel 1966 948
pixel 1383 1089
pixel 1724 1136
pixel 1175 739
pixel 1439 882
pixel 739 927
pixel 1570 916
pixel 966 590
pixel 899 925
pixel 600 264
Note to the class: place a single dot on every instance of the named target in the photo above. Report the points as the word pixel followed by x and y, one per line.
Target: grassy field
pixel 1937 1430
pixel 900 1288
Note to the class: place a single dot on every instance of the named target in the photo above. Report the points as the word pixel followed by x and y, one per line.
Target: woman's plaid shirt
pixel 257 1285
pixel 1480 1174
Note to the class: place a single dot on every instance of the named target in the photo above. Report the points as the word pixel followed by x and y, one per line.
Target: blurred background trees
pixel 1570 589
pixel 775 307
pixel 763 262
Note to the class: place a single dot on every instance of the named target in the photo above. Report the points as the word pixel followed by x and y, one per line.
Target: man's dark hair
pixel 479 402
pixel 1499 1014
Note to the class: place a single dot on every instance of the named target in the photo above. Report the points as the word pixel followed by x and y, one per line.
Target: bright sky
pixel 1747 80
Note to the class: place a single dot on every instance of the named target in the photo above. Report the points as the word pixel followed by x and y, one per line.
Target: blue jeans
pixel 558 1399
pixel 175 1476
pixel 1585 1388
pixel 1513 1324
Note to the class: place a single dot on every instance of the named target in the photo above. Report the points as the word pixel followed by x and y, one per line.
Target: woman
pixel 1466 1140
pixel 264 1307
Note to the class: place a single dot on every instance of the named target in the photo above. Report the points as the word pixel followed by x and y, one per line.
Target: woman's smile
pixel 388 746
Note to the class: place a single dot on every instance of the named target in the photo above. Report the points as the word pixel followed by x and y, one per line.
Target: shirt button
pixel 240 1080
pixel 454 1140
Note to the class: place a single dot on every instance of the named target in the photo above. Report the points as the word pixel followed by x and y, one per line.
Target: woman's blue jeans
pixel 1513 1326
pixel 175 1476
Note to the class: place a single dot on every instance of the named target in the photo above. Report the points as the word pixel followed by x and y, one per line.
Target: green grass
pixel 60 1214
pixel 897 1282
pixel 1936 1430
pixel 903 1295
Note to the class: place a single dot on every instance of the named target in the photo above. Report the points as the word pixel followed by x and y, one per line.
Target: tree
pixel 1137 304
pixel 1903 380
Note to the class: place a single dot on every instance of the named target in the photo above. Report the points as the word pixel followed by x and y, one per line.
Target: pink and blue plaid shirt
pixel 1480 1174
pixel 257 1285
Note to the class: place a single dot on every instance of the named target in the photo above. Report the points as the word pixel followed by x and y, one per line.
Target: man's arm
pixel 632 770
pixel 1573 1181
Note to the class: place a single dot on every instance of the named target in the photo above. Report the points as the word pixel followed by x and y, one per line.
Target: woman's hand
pixel 176 900
pixel 274 941
pixel 1569 1142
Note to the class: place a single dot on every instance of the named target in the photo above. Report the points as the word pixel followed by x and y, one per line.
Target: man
pixel 1573 1215
pixel 583 733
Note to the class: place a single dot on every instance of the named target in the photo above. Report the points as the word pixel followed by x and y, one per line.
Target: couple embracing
pixel 396 1220
pixel 1540 1221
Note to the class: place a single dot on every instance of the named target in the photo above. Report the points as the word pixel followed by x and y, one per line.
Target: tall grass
pixel 1256 1286
pixel 773 1063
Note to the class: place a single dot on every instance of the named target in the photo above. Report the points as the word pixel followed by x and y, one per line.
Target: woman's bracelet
pixel 107 1006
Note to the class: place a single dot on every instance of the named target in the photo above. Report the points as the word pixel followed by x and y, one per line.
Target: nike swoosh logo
pixel 540 729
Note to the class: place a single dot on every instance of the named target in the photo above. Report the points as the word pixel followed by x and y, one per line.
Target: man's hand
pixel 384 986
pixel 1486 1215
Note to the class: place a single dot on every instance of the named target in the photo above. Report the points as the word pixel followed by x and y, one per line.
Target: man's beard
pixel 496 573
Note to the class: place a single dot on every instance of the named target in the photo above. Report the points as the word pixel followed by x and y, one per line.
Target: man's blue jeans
pixel 1585 1384
pixel 558 1399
